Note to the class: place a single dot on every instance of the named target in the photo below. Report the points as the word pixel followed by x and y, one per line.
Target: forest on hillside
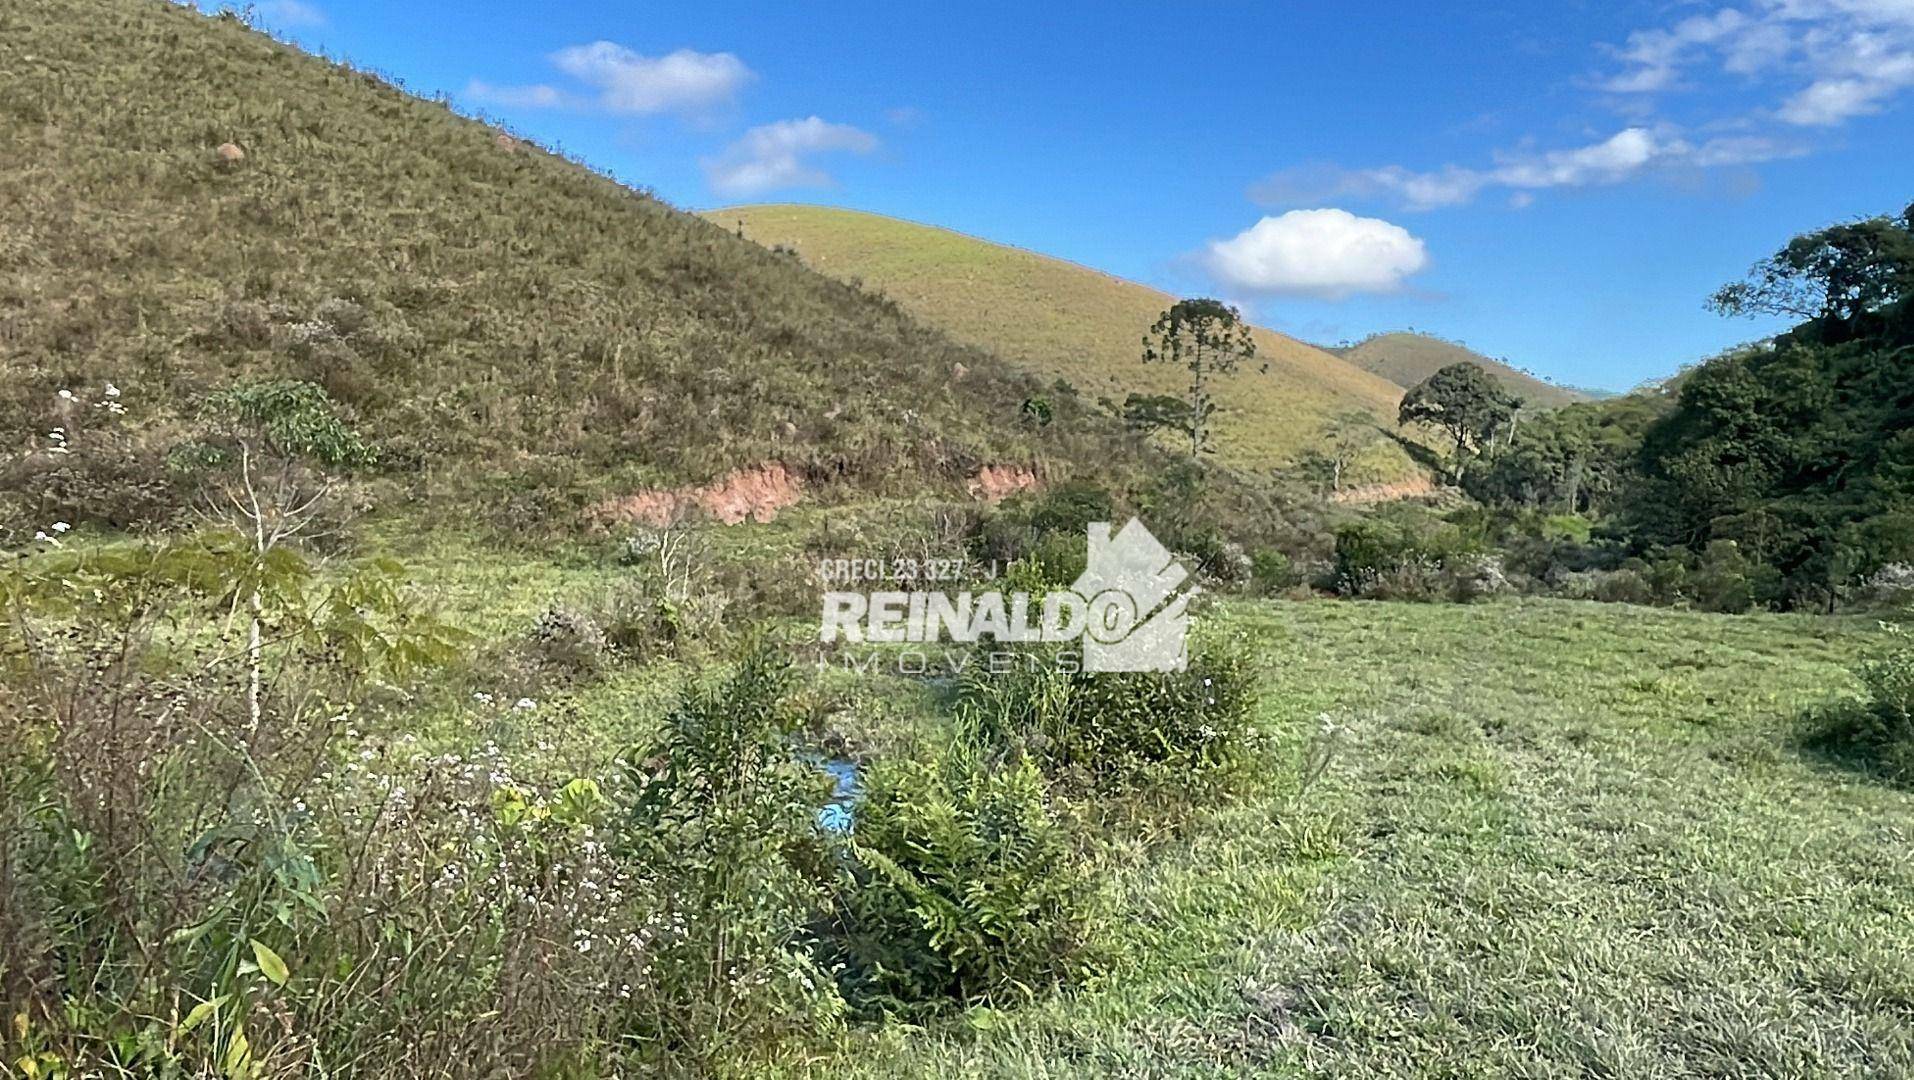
pixel 1779 475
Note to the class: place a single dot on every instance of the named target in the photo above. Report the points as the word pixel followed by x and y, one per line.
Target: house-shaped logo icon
pixel 1137 619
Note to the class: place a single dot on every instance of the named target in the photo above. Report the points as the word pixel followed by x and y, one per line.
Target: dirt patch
pixel 755 493
pixel 1366 494
pixel 994 483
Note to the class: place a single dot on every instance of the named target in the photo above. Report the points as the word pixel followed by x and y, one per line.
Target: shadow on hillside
pixel 1420 454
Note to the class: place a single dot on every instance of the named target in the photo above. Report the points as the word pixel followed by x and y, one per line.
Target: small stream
pixel 835 816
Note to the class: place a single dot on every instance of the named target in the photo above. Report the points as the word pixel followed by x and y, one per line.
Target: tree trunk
pixel 1196 405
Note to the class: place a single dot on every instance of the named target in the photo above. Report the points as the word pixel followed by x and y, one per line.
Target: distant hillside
pixel 1067 321
pixel 1406 359
pixel 498 319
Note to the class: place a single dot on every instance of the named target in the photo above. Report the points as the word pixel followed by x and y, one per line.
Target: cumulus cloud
pixel 1324 253
pixel 618 80
pixel 775 156
pixel 683 81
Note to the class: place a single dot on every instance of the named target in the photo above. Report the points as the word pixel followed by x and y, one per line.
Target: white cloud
pixel 1834 59
pixel 1326 253
pixel 622 81
pixel 773 156
pixel 1615 158
pixel 1817 63
pixel 538 96
pixel 1654 57
pixel 1622 156
pixel 683 81
pixel 1857 75
pixel 1448 186
pixel 290 13
pixel 1831 101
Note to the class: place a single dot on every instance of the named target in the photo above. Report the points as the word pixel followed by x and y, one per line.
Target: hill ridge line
pixel 713 214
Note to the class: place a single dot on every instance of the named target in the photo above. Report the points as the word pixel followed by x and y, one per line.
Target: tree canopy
pixel 1838 273
pixel 1464 401
pixel 1205 337
pixel 1798 452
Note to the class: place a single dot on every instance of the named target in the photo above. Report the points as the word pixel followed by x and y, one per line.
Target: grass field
pixel 1551 839
pixel 1555 839
pixel 1062 320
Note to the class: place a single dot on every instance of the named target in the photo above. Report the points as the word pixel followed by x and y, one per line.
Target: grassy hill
pixel 1067 321
pixel 1406 359
pixel 501 321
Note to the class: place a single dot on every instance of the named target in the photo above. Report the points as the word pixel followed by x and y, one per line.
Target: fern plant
pixel 965 888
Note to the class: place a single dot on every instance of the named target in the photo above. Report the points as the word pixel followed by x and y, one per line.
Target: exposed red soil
pixel 994 483
pixel 755 493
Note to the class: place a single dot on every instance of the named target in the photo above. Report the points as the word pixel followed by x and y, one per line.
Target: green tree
pixel 1464 402
pixel 1206 338
pixel 1834 274
pixel 1801 450
pixel 1348 434
pixel 288 436
pixel 1150 413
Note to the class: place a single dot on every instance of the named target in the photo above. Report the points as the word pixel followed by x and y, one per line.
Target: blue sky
pixel 1558 183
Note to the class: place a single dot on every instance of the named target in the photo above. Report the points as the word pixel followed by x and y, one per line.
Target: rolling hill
pixel 1408 358
pixel 1065 321
pixel 186 203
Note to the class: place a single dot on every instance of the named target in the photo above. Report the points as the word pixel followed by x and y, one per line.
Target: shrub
pixel 1891 585
pixel 1399 558
pixel 1050 525
pixel 1191 731
pixel 1270 572
pixel 1217 558
pixel 1721 581
pixel 965 888
pixel 1470 577
pixel 1880 727
pixel 1071 507
pixel 567 641
pixel 724 815
pixel 1627 585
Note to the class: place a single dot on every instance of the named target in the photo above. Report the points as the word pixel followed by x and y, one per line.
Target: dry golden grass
pixel 1062 320
pixel 1406 359
pixel 495 316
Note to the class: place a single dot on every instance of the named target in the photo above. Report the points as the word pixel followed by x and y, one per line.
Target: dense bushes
pixel 1796 453
pixel 722 821
pixel 966 886
pixel 1416 557
pixel 1190 733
